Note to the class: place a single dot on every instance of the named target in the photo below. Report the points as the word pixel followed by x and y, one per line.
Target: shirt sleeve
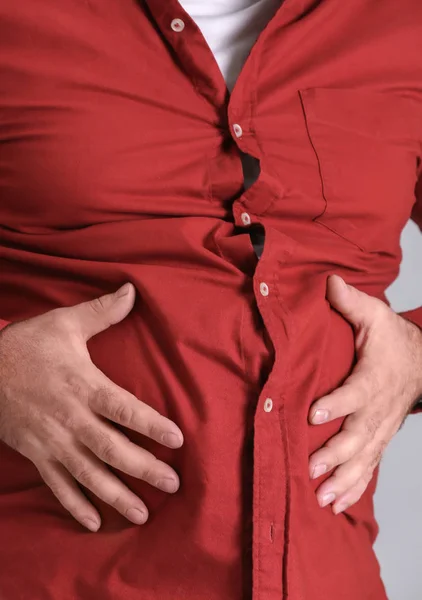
pixel 415 316
pixel 3 324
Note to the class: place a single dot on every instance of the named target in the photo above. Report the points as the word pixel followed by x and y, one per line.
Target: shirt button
pixel 268 405
pixel 246 219
pixel 263 288
pixel 238 131
pixel 177 25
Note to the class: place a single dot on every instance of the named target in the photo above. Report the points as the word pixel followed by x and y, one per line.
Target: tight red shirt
pixel 119 161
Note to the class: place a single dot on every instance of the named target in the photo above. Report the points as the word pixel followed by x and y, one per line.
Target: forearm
pixel 415 317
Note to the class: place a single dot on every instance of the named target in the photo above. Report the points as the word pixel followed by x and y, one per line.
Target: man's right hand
pixel 56 409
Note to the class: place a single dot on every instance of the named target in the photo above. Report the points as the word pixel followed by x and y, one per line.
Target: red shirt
pixel 119 161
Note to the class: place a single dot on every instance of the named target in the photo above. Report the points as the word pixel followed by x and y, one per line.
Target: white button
pixel 268 405
pixel 246 220
pixel 238 132
pixel 263 288
pixel 177 25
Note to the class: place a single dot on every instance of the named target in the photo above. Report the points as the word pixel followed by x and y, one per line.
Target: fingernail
pixel 327 499
pixel 91 524
pixel 167 484
pixel 320 416
pixel 136 516
pixel 123 291
pixel 319 470
pixel 338 508
pixel 172 439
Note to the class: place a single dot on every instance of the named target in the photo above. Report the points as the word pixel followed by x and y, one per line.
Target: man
pixel 213 429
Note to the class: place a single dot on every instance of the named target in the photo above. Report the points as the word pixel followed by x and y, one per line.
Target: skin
pixel 375 399
pixel 60 409
pixel 57 409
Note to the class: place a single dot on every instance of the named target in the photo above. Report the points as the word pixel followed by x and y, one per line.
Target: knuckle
pixel 364 392
pixel 74 384
pixel 109 454
pixel 372 424
pixel 105 401
pixel 101 397
pixel 122 414
pixel 61 318
pixel 58 489
pixel 77 468
pixel 338 452
pixel 97 306
pixel 87 434
pixel 380 311
pixel 69 461
pixel 64 418
pixel 100 442
pixel 335 458
pixel 149 471
pixel 153 430
pixel 119 501
pixel 360 469
pixel 377 454
pixel 85 476
pixel 377 383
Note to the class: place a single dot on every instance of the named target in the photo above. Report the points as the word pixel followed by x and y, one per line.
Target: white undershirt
pixel 230 28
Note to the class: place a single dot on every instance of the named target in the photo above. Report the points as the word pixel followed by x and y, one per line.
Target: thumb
pixel 96 315
pixel 358 308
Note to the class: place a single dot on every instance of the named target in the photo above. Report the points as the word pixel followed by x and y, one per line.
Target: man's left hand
pixel 375 399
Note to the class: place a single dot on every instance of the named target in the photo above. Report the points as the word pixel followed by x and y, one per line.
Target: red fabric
pixel 118 162
pixel 416 317
pixel 413 315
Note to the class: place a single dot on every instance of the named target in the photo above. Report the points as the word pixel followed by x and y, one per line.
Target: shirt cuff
pixel 415 316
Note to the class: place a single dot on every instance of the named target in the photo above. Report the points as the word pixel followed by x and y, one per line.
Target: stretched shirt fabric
pixel 230 28
pixel 120 161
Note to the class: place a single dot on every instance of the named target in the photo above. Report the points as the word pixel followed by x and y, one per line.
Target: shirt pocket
pixel 367 148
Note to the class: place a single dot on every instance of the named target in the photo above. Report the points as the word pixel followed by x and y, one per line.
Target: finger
pixel 352 496
pixel 347 475
pixel 115 449
pixel 121 407
pixel 96 315
pixel 338 450
pixel 68 493
pixel 345 400
pixel 93 475
pixel 360 309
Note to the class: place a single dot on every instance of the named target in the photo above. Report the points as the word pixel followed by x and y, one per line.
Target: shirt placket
pixel 270 468
pixel 271 462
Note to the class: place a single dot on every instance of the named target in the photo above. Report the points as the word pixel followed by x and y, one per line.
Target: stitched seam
pixel 242 338
pixel 308 131
pixel 254 99
pixel 286 445
pixel 257 579
pixel 290 322
pixel 343 237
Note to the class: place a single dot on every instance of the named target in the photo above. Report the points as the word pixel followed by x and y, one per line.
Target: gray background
pixel 398 501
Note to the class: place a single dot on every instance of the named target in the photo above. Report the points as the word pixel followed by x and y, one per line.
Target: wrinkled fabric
pixel 119 162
